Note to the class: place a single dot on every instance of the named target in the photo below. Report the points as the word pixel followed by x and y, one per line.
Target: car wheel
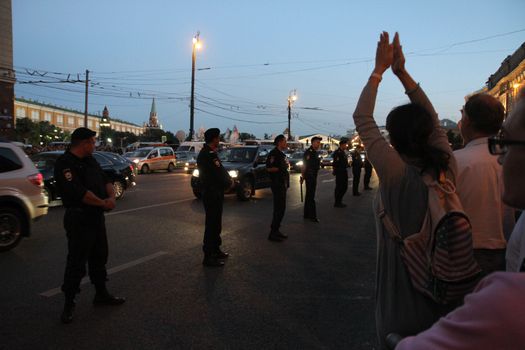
pixel 11 221
pixel 171 168
pixel 118 188
pixel 245 189
pixel 197 194
pixel 145 169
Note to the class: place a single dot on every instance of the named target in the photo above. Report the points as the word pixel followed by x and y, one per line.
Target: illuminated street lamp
pixel 292 97
pixel 196 46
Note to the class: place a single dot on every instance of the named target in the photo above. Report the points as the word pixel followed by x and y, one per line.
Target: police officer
pixel 86 193
pixel 311 163
pixel 214 180
pixel 368 173
pixel 277 167
pixel 340 170
pixel 357 164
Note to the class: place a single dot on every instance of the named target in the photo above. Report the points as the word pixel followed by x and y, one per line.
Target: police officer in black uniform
pixel 277 167
pixel 86 193
pixel 340 170
pixel 368 173
pixel 357 164
pixel 214 180
pixel 311 163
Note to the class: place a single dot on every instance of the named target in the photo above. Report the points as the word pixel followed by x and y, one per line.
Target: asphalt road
pixel 314 291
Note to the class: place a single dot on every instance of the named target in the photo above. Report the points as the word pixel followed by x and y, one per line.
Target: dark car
pixel 118 170
pixel 247 167
pixel 296 161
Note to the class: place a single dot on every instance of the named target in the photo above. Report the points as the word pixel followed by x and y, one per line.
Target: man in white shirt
pixel 480 181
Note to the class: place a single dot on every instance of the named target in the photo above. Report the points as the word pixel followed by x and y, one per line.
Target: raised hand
pixel 384 54
pixel 398 66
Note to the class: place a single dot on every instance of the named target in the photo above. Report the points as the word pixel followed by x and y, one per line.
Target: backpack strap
pixel 392 230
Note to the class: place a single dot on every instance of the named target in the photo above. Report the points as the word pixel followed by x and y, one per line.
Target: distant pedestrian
pixel 86 193
pixel 357 165
pixel 480 181
pixel 311 163
pixel 340 170
pixel 368 173
pixel 277 167
pixel 214 180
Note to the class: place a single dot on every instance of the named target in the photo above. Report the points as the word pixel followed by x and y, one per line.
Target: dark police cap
pixel 278 139
pixel 82 134
pixel 316 138
pixel 343 140
pixel 210 134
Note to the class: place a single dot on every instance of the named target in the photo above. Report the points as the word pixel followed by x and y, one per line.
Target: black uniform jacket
pixel 212 174
pixel 311 162
pixel 277 159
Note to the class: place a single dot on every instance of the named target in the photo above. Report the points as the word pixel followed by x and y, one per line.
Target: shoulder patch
pixel 67 174
pixel 271 159
pixel 217 162
pixel 308 157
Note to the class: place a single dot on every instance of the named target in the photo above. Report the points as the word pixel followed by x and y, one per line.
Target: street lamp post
pixel 196 45
pixel 292 97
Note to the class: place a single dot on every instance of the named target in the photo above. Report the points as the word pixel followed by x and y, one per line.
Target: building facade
pixel 68 119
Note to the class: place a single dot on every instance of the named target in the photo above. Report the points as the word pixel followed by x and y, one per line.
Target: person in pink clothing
pixel 493 316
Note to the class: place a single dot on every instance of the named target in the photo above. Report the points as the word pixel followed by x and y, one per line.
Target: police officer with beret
pixel 86 193
pixel 340 170
pixel 311 163
pixel 277 167
pixel 368 173
pixel 214 180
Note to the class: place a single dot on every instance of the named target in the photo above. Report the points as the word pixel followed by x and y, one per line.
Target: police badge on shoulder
pixel 67 174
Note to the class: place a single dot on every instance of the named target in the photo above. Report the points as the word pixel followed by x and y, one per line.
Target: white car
pixel 21 197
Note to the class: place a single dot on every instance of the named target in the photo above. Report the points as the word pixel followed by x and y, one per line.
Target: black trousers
pixel 368 176
pixel 309 199
pixel 213 201
pixel 341 185
pixel 87 243
pixel 357 178
pixel 279 205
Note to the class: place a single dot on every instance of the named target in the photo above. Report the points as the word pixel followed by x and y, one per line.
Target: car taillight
pixel 131 168
pixel 36 179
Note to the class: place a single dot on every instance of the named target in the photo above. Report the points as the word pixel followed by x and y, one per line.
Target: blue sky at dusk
pixel 257 52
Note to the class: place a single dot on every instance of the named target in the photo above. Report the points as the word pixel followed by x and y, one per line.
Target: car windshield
pixel 141 153
pixel 183 149
pixel 183 155
pixel 238 155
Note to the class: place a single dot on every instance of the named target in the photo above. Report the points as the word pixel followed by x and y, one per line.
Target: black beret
pixel 343 140
pixel 210 134
pixel 316 138
pixel 278 139
pixel 82 134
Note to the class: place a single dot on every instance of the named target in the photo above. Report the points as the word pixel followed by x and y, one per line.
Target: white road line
pixel 149 206
pixel 55 291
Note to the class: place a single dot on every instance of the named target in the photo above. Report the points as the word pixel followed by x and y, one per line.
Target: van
pixel 150 159
pixel 190 146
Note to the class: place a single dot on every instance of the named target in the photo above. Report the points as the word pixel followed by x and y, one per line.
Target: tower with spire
pixel 153 119
pixel 105 122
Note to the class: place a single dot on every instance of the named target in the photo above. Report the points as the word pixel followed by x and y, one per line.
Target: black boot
pixel 69 308
pixel 222 255
pixel 102 297
pixel 211 260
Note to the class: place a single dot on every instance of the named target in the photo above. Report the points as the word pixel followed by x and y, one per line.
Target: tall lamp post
pixel 292 97
pixel 196 45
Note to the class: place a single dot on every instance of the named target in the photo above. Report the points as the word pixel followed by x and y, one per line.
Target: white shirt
pixel 480 186
pixel 516 247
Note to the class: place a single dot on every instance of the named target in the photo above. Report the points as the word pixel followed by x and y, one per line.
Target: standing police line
pixel 87 193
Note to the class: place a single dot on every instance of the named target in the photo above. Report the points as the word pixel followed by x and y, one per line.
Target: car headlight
pixel 195 173
pixel 136 161
pixel 186 164
pixel 233 173
pixel 299 163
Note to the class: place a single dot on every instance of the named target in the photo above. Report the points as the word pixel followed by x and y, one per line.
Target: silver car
pixel 22 199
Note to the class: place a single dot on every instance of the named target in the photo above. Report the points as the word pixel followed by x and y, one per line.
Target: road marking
pixel 149 206
pixel 55 291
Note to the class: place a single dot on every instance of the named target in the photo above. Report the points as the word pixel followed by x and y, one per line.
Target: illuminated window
pixel 90 123
pixel 70 121
pixel 35 115
pixel 20 112
pixel 47 116
pixel 60 119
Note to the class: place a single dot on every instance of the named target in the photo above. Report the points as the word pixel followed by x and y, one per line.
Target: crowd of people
pixel 63 146
pixel 419 172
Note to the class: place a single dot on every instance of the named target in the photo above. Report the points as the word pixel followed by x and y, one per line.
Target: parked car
pixel 118 170
pixel 190 165
pixel 296 161
pixel 150 159
pixel 22 200
pixel 327 161
pixel 247 167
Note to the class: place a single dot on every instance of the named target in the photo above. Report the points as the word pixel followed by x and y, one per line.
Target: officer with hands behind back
pixel 309 175
pixel 214 180
pixel 277 167
pixel 86 193
pixel 340 170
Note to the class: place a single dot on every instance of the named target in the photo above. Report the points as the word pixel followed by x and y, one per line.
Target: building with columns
pixel 69 119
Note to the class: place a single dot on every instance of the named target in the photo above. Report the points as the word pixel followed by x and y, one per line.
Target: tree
pixel 36 133
pixel 266 136
pixel 246 136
